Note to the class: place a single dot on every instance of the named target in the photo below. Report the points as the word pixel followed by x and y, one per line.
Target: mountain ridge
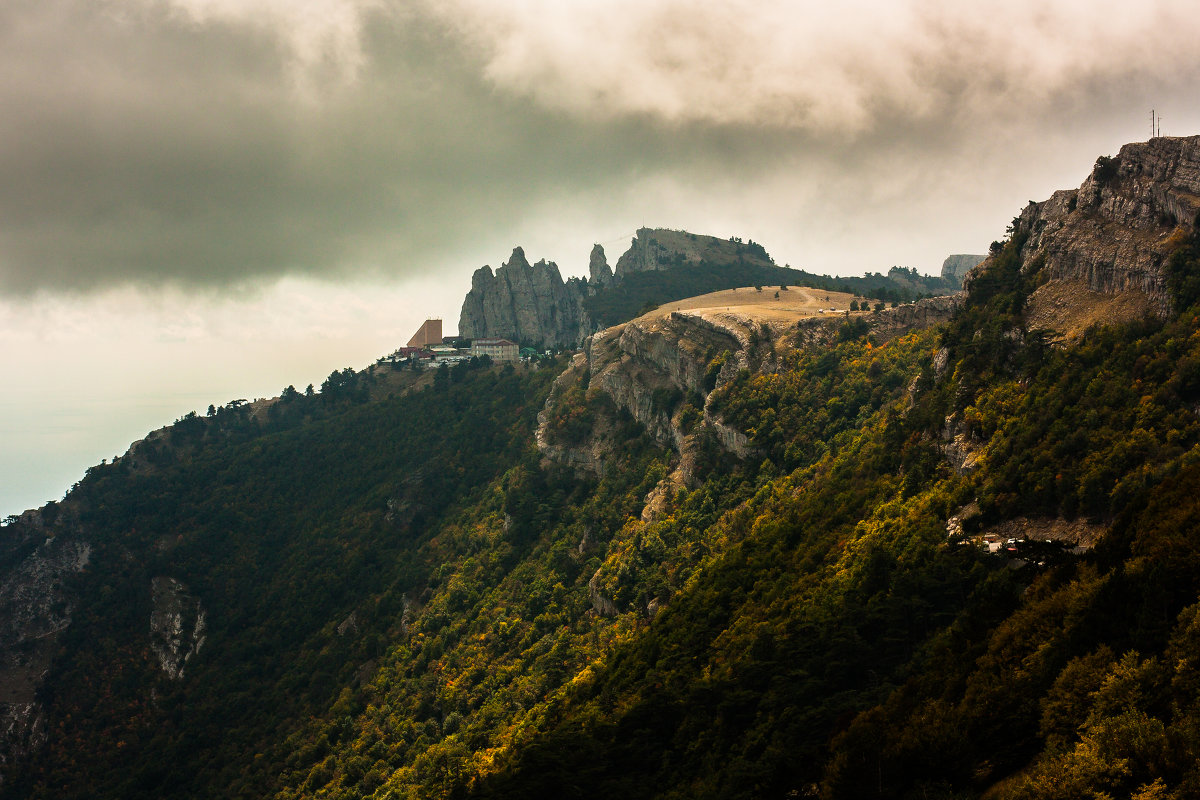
pixel 1115 233
pixel 531 304
pixel 738 546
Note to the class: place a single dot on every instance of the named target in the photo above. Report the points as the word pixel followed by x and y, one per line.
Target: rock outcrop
pixel 663 368
pixel 530 304
pixel 956 267
pixel 921 314
pixel 649 366
pixel 177 625
pixel 35 607
pixel 1115 232
pixel 660 248
pixel 599 272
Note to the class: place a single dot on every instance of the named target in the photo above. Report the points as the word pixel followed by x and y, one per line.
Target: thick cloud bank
pixel 220 142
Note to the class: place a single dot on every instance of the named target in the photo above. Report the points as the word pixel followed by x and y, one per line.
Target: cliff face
pixel 38 559
pixel 657 366
pixel 1115 232
pixel 659 248
pixel 526 303
pixel 599 272
pixel 533 304
pixel 176 625
pixel 957 266
pixel 648 359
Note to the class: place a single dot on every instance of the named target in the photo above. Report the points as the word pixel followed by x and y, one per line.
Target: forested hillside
pixel 849 643
pixel 402 596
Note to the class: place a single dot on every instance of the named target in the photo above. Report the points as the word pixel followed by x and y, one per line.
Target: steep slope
pixel 1040 674
pixel 236 580
pixel 748 557
pixel 663 367
pixel 217 581
pixel 1112 236
pixel 1083 689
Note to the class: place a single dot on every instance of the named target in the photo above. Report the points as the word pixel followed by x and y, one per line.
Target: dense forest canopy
pixel 404 598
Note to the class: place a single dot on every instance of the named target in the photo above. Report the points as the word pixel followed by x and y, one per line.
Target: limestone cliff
pixel 1115 232
pixel 650 365
pixel 176 625
pixel 956 267
pixel 530 304
pixel 664 367
pixel 659 248
pixel 599 272
pixel 39 554
pixel 661 369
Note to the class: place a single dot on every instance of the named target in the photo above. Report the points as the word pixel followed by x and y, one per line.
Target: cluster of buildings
pixel 429 348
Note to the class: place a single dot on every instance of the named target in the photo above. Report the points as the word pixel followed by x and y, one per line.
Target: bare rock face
pixel 663 367
pixel 599 272
pixel 649 365
pixel 529 304
pixel 35 607
pixel 660 369
pixel 660 248
pixel 924 313
pixel 1115 232
pixel 602 604
pixel 177 625
pixel 957 266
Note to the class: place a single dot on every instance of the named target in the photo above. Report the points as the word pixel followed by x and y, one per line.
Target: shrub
pixel 1105 170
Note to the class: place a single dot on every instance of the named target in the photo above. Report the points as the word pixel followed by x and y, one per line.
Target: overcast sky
pixel 209 199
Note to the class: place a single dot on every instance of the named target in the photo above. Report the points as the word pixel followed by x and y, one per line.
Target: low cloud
pixel 314 35
pixel 820 67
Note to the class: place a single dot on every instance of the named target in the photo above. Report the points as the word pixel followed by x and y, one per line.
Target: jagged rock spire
pixel 600 273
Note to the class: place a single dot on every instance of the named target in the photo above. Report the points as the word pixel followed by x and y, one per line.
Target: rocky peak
pixel 526 303
pixel 532 304
pixel 1115 232
pixel 600 272
pixel 659 248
